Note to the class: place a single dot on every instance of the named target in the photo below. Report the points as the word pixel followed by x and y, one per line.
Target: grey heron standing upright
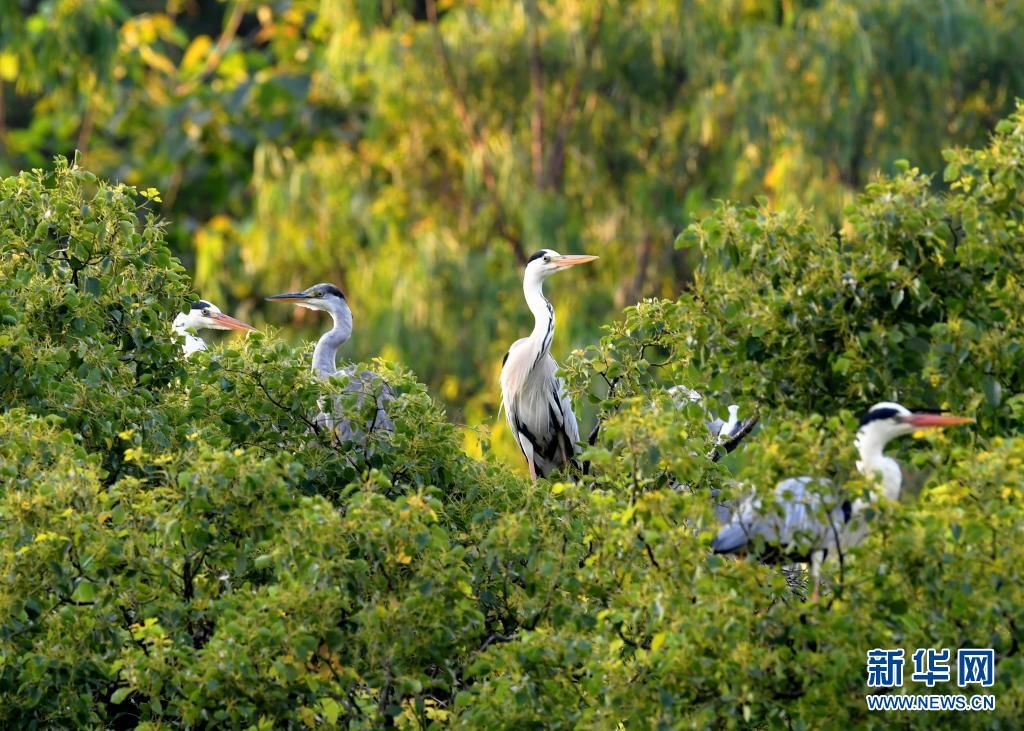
pixel 536 405
pixel 330 299
pixel 203 315
pixel 795 528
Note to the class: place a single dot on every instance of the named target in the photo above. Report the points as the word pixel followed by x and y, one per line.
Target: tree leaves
pixel 182 543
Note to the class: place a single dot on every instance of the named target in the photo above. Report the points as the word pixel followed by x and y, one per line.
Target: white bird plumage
pixel 722 430
pixel 536 404
pixel 328 298
pixel 203 315
pixel 803 524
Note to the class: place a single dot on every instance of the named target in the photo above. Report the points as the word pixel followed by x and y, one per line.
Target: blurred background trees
pixel 414 151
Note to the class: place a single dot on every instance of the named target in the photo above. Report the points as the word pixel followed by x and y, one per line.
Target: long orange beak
pixel 936 420
pixel 571 260
pixel 229 321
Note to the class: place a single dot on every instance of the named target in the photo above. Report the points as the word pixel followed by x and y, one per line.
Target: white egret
pixel 533 396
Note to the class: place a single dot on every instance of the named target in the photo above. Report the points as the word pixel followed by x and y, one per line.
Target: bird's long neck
pixel 874 464
pixel 543 315
pixel 326 350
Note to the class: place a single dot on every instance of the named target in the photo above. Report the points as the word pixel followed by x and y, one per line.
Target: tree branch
pixel 555 169
pixel 734 441
pixel 537 92
pixel 227 35
pixel 471 130
pixel 634 289
pixel 85 131
pixel 3 121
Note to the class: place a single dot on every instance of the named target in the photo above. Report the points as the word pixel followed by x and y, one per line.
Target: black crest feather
pixel 537 255
pixel 877 414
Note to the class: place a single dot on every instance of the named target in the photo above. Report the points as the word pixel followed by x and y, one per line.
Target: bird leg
pixel 533 470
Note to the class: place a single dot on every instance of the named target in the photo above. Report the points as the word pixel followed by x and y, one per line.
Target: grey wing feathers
pixel 366 384
pixel 559 444
pixel 538 409
pixel 730 539
pixel 790 519
pixel 722 509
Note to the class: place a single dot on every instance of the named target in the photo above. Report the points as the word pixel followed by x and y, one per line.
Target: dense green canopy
pixel 179 547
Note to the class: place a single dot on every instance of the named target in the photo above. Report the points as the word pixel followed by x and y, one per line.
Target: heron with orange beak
pixel 798 527
pixel 536 404
pixel 203 315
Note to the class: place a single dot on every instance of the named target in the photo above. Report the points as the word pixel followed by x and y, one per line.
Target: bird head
pixel 322 296
pixel 546 262
pixel 204 315
pixel 886 420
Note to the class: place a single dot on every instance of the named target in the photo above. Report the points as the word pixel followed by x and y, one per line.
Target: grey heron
pixel 536 404
pixel 804 525
pixel 330 299
pixel 203 315
pixel 727 433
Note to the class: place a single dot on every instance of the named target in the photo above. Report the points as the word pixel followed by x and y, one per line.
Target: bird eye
pixel 206 313
pixel 547 259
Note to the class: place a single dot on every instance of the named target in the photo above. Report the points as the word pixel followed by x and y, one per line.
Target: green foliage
pixel 414 152
pixel 189 549
pixel 915 298
pixel 87 289
pixel 178 542
pixel 181 546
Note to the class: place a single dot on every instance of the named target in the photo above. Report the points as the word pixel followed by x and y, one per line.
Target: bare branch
pixel 649 550
pixel 635 288
pixel 555 168
pixel 227 35
pixel 3 120
pixel 471 130
pixel 734 441
pixel 85 130
pixel 537 92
